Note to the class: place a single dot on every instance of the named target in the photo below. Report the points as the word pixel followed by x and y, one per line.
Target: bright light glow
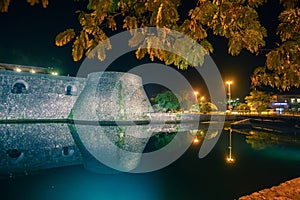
pixel 18 69
pixel 32 71
pixel 228 82
pixel 196 140
pixel 54 73
pixel 202 98
pixel 196 93
pixel 230 160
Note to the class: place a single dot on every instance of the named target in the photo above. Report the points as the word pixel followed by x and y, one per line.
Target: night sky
pixel 28 33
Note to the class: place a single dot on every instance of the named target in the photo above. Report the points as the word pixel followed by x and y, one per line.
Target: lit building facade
pixel 286 103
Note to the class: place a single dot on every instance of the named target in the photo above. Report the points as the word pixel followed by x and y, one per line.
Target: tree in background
pixel 258 100
pixel 166 101
pixel 242 107
pixel 238 21
pixel 194 108
pixel 187 100
pixel 207 107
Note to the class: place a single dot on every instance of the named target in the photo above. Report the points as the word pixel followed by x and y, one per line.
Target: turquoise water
pixel 261 160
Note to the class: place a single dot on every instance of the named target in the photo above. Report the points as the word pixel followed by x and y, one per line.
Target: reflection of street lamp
pixel 196 140
pixel 230 159
pixel 229 94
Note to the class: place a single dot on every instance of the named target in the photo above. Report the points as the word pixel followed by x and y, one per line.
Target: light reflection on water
pixel 275 146
pixel 261 160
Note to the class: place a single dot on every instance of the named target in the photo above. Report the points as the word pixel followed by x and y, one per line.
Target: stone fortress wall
pixel 27 147
pixel 25 94
pixel 37 96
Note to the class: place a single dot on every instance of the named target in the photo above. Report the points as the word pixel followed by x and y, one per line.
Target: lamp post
pixel 196 93
pixel 229 95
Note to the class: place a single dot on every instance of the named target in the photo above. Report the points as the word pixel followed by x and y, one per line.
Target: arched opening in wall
pixel 71 90
pixel 19 87
pixel 67 151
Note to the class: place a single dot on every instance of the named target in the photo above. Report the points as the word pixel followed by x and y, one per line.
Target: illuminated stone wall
pixel 101 97
pixel 43 97
pixel 112 96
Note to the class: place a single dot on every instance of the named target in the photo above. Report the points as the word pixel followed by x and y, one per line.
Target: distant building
pixel 233 102
pixel 286 103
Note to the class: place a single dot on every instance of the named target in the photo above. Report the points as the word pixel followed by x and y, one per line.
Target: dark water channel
pixel 259 160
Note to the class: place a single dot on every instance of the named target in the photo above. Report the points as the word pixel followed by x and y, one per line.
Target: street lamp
pixel 229 95
pixel 196 93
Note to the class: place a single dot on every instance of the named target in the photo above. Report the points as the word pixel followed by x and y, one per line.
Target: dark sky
pixel 28 33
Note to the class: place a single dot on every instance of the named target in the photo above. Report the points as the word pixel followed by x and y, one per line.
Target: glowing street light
pixel 229 95
pixel 54 73
pixel 196 140
pixel 32 71
pixel 196 93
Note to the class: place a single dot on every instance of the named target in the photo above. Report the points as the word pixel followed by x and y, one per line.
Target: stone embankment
pixel 289 190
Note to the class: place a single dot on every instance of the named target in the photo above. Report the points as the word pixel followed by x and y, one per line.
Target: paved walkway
pixel 289 190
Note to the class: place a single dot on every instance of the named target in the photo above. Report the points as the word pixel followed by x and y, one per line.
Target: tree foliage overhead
pixel 236 20
pixel 282 68
pixel 4 4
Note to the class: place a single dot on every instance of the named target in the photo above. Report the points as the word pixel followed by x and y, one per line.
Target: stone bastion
pixel 102 96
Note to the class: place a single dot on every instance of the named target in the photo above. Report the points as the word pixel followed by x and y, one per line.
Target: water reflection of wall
pixel 37 96
pixel 26 148
pixel 29 147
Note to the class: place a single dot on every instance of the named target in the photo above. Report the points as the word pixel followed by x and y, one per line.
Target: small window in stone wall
pixel 67 151
pixel 19 87
pixel 71 90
